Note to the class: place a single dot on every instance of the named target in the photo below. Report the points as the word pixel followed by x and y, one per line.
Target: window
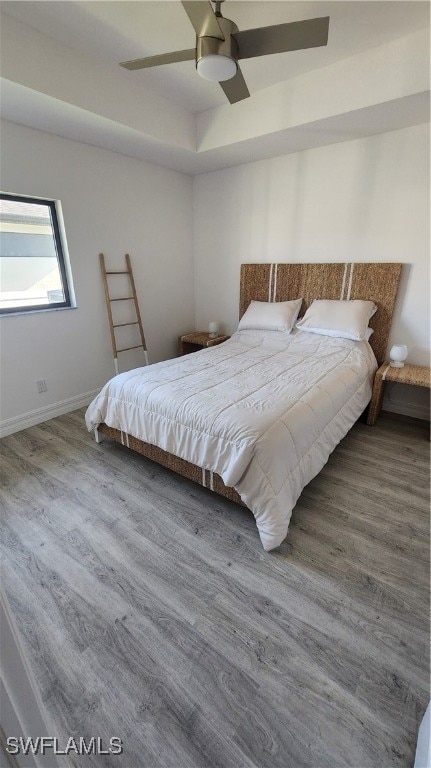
pixel 33 274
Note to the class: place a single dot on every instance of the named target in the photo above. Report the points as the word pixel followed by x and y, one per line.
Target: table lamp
pixel 398 354
pixel 213 329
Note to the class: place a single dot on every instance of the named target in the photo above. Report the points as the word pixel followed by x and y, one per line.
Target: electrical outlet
pixel 41 386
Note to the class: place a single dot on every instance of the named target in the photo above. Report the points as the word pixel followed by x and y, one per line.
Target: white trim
pixel 23 712
pixel 124 438
pixel 66 255
pixel 403 399
pixel 36 311
pixel 274 291
pixel 203 478
pixel 343 284
pixel 415 410
pixel 29 419
pixel 97 436
pixel 211 481
pixel 9 760
pixel 270 282
pixel 423 746
pixel 349 289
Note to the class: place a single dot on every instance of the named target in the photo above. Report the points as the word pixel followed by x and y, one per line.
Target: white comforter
pixel 264 410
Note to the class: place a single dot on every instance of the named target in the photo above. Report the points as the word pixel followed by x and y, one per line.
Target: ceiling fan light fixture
pixel 216 67
pixel 220 45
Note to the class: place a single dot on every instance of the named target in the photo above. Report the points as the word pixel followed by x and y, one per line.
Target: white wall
pixel 110 203
pixel 362 200
pixel 366 199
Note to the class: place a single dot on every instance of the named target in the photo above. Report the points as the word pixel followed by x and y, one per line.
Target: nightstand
pixel 418 375
pixel 192 342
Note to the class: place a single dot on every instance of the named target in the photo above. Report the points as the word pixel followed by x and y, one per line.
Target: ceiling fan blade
pixel 203 18
pixel 235 88
pixel 293 36
pixel 163 58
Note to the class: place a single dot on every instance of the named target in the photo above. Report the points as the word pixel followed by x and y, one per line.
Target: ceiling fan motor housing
pixel 219 45
pixel 212 46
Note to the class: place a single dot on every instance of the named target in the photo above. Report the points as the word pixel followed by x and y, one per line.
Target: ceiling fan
pixel 220 45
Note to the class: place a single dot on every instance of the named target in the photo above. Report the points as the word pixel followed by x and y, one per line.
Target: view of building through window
pixel 32 270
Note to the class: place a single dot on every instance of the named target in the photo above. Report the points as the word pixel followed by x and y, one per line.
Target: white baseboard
pixel 415 410
pixel 407 400
pixel 29 419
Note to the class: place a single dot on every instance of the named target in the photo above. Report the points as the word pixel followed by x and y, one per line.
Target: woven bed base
pixel 180 466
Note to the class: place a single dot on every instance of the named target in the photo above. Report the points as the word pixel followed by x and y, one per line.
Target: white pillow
pixel 343 319
pixel 270 316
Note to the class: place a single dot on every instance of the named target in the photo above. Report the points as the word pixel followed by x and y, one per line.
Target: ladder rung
pixel 120 325
pixel 126 349
pixel 112 326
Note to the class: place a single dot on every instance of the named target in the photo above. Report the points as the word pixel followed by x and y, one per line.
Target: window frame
pixel 61 259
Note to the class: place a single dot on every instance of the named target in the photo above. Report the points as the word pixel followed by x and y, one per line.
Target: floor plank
pixel 149 610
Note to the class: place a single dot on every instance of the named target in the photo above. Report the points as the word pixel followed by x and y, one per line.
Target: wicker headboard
pixel 283 282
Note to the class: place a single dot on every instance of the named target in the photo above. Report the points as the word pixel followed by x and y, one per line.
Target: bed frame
pixel 284 282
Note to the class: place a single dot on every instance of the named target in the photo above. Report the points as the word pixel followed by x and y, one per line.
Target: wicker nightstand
pixel 192 342
pixel 417 375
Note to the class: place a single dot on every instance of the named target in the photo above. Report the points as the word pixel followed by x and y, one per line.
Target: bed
pixel 256 418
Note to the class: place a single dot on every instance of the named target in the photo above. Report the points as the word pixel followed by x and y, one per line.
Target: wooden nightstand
pixel 192 342
pixel 418 375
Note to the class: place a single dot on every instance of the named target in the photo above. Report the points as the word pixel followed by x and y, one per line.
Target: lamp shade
pixel 213 329
pixel 398 354
pixel 216 67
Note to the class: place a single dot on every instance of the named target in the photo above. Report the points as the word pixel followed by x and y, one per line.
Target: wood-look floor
pixel 150 611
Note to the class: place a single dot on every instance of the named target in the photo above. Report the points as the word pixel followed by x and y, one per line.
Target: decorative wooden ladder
pixel 112 326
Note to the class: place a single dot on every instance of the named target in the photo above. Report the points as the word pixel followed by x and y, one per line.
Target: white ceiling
pixel 60 74
pixel 110 32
